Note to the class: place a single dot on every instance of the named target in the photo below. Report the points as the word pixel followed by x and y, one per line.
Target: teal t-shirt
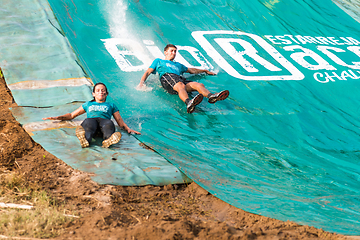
pixel 99 110
pixel 166 66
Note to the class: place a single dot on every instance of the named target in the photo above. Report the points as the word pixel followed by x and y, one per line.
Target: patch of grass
pixel 46 219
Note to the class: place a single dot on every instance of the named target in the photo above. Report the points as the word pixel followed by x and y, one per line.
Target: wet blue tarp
pixel 46 79
pixel 285 143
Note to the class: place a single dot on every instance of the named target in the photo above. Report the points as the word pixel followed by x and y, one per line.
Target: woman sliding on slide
pixel 99 114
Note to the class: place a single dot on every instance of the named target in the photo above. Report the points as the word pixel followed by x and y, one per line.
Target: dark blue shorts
pixel 168 81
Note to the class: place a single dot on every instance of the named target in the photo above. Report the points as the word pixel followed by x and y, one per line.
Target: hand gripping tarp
pixel 285 144
pixel 46 79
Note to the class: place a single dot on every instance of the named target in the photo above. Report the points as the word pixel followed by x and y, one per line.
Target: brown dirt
pixel 150 212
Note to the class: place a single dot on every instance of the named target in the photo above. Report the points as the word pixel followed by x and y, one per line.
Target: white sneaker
pixel 190 107
pixel 213 98
pixel 114 138
pixel 80 133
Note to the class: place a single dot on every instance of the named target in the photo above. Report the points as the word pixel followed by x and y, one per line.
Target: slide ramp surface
pixel 46 79
pixel 285 144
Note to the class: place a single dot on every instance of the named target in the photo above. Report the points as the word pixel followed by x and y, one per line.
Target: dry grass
pixel 44 220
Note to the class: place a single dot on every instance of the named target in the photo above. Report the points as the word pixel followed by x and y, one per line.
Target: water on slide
pixel 285 144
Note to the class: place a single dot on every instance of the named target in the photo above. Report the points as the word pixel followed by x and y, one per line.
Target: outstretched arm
pixel 67 116
pixel 145 76
pixel 197 71
pixel 122 124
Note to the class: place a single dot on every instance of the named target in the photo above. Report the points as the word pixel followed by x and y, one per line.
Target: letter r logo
pixel 249 59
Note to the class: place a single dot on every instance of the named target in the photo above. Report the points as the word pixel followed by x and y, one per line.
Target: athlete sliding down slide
pixel 170 77
pixel 98 119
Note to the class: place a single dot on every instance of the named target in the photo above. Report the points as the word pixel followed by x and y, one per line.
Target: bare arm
pixel 122 124
pixel 68 116
pixel 145 76
pixel 197 71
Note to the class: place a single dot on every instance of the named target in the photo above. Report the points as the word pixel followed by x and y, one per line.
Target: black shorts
pixel 168 81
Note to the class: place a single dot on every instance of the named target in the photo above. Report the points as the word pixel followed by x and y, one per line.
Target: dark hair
pixel 99 83
pixel 169 46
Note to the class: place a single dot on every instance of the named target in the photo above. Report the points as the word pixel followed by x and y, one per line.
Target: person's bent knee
pixel 179 86
pixel 90 124
pixel 201 85
pixel 107 128
pixel 194 86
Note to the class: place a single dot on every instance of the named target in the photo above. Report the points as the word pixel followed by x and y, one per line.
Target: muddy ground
pixel 150 212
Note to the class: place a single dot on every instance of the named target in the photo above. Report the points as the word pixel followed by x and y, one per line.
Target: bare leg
pixel 195 86
pixel 181 89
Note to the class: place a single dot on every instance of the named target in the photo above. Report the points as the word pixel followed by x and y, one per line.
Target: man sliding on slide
pixel 170 77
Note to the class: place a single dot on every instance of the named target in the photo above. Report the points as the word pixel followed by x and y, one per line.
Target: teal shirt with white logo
pixel 99 110
pixel 166 66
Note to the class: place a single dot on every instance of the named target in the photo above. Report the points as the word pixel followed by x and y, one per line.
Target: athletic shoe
pixel 190 107
pixel 114 138
pixel 80 133
pixel 213 98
